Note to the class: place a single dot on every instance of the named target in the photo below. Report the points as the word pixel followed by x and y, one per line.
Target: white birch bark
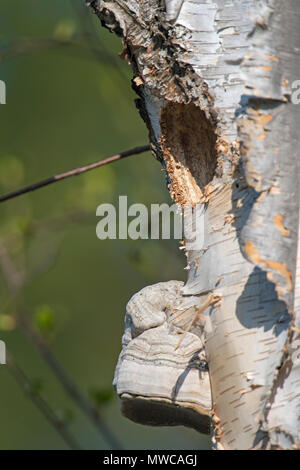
pixel 214 82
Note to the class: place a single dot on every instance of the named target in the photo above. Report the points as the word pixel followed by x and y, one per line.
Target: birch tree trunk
pixel 214 80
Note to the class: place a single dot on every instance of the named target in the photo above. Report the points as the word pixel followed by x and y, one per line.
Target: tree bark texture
pixel 214 80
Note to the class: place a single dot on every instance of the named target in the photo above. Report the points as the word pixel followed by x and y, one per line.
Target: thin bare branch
pixel 89 33
pixel 26 45
pixel 75 172
pixel 66 382
pixel 42 405
pixel 21 318
pixel 15 279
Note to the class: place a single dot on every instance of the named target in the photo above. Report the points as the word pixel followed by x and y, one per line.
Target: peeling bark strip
pixel 214 83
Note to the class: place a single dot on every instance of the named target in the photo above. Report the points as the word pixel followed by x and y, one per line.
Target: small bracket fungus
pixel 161 381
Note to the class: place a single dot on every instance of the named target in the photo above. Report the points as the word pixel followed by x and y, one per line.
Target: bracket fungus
pixel 161 379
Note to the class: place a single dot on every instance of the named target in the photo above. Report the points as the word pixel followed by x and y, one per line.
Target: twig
pixel 41 404
pixel 86 50
pixel 211 300
pixel 27 45
pixel 35 338
pixel 65 381
pixel 92 38
pixel 14 278
pixel 75 172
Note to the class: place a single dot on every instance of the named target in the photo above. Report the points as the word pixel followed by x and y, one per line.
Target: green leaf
pixel 101 396
pixel 7 322
pixel 64 30
pixel 44 319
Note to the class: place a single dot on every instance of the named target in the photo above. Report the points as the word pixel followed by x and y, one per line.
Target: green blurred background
pixel 69 103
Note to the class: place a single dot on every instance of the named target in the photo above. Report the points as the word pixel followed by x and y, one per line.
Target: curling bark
pixel 214 80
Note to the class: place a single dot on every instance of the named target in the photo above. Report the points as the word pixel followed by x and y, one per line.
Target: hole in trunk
pixel 189 147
